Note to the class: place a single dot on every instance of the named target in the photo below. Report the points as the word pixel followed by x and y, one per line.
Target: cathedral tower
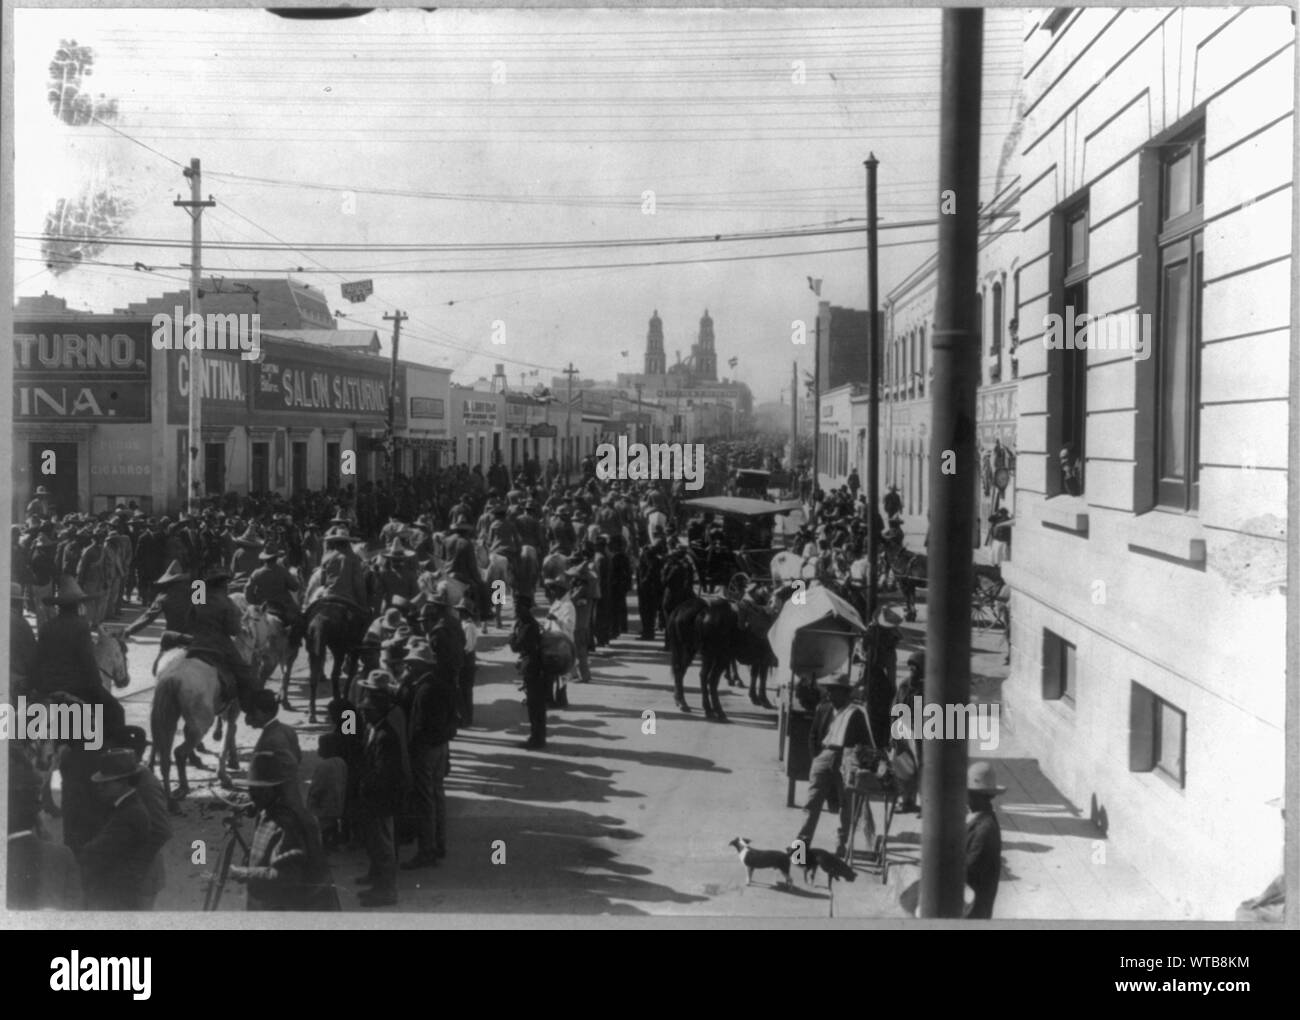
pixel 706 359
pixel 654 347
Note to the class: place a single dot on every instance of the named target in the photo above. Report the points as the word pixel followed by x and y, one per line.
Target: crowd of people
pixel 406 570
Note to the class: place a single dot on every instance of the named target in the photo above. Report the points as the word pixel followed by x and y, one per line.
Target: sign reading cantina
pixel 86 370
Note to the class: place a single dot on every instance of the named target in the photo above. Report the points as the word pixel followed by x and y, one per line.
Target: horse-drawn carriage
pixel 749 528
pixel 907 571
pixel 814 638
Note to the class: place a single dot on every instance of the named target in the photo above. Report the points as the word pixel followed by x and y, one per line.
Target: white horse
pixel 110 657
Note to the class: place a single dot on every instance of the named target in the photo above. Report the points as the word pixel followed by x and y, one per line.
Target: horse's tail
pixel 165 712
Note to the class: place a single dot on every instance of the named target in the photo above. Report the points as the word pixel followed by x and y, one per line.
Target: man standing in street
pixel 983 839
pixel 838 725
pixel 431 727
pixel 381 790
pixel 285 870
pixel 526 642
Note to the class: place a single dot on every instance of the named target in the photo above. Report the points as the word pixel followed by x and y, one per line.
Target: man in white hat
pixel 838 726
pixel 983 838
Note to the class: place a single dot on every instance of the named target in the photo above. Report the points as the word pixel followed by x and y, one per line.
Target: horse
pixel 272 648
pixel 330 629
pixel 190 689
pixel 709 627
pixel 110 657
pixel 909 571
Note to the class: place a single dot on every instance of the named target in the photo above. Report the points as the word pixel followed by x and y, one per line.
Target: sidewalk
pixel 1056 863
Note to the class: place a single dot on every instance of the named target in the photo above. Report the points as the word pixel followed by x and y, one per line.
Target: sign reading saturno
pixel 81 370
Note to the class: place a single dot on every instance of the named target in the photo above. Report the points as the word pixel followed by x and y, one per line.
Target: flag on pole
pixel 733 362
pixel 815 286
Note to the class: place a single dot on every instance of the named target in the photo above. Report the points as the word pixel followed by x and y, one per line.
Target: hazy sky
pixel 508 129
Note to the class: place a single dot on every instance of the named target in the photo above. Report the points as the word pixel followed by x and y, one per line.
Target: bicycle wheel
pixel 217 884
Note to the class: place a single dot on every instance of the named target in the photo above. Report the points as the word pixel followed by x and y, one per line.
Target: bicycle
pixel 235 810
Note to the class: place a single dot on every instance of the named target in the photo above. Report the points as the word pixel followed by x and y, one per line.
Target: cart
pixel 754 521
pixel 810 639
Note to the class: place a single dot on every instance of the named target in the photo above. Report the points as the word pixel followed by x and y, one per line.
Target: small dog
pixel 831 865
pixel 755 860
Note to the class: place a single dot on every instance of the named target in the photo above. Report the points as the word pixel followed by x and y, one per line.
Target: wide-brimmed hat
pixel 441 595
pixel 218 575
pixel 271 551
pixel 840 681
pixel 249 540
pixel 337 534
pixel 887 618
pixel 377 682
pixel 421 652
pixel 174 572
pixel 269 769
pixel 981 778
pixel 68 594
pixel 41 490
pixel 397 551
pixel 339 522
pixel 119 763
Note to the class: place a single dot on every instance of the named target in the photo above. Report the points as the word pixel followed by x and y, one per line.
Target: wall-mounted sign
pixel 223 384
pixel 479 413
pixel 543 432
pixel 293 384
pixel 87 370
pixel 428 407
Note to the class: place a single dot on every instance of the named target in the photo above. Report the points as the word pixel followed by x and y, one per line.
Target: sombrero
pixel 69 593
pixel 174 572
pixel 249 540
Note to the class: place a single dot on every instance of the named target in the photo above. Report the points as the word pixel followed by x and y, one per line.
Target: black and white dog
pixel 831 865
pixel 755 860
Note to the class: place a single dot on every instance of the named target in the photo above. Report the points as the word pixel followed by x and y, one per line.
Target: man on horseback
pixel 214 623
pixel 172 601
pixel 274 585
pixel 340 579
pixel 649 583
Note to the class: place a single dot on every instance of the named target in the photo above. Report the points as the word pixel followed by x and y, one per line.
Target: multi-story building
pixel 908 370
pixel 1148 609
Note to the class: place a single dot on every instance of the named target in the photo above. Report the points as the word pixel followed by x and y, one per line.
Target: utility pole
pixel 568 425
pixel 873 388
pixel 194 207
pixel 817 408
pixel 638 413
pixel 792 465
pixel 390 433
pixel 952 496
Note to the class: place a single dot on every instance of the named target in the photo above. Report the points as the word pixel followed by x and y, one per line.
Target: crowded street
pixel 801 464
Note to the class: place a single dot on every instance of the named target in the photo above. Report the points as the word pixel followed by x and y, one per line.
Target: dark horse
pixel 908 569
pixel 332 628
pixel 712 628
